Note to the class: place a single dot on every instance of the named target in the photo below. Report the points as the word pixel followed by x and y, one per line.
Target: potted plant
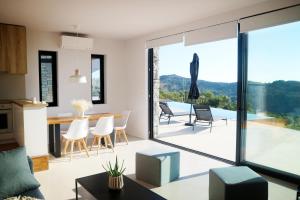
pixel 81 106
pixel 115 175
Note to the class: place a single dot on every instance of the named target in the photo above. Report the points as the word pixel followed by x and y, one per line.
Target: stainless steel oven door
pixel 6 121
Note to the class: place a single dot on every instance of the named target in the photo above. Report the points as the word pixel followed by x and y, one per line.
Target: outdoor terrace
pixel 266 143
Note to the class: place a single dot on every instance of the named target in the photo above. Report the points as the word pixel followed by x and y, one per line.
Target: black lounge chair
pixel 203 113
pixel 165 111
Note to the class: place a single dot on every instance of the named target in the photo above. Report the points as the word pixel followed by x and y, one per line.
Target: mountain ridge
pixel 175 83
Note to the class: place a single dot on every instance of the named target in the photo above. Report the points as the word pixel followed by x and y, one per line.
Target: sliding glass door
pixel 260 100
pixel 174 119
pixel 272 134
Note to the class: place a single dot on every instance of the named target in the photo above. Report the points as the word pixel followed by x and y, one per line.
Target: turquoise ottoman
pixel 236 183
pixel 157 166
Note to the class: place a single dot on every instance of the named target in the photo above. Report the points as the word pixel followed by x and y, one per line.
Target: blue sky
pixel 274 54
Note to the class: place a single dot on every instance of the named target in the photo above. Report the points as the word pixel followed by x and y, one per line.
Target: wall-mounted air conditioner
pixel 77 43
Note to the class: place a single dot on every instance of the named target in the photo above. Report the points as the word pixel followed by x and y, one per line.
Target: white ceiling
pixel 119 19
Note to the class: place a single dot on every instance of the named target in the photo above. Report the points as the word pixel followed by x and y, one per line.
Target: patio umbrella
pixel 194 91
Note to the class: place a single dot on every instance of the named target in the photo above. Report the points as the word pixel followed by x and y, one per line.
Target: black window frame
pixel 102 90
pixel 54 103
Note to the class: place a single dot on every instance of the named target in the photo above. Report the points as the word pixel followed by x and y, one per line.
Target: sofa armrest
pixel 30 164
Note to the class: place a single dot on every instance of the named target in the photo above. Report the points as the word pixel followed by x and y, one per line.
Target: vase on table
pixel 81 114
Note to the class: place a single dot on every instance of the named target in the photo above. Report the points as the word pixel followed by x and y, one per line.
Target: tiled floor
pixel 58 182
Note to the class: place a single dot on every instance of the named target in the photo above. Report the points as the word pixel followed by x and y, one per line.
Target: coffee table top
pixel 97 186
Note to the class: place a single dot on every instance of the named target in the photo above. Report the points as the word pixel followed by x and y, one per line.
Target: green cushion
pixel 15 176
pixel 158 166
pixel 234 175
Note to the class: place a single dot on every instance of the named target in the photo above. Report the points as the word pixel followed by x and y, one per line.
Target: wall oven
pixel 6 119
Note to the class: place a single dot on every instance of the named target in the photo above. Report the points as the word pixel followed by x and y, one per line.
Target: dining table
pixel 55 122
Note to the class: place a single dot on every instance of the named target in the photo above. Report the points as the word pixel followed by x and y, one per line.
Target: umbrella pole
pixel 190 116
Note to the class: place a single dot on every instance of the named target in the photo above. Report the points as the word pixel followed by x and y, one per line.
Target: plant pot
pixel 115 183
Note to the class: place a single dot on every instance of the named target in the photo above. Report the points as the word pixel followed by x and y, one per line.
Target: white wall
pixel 137 62
pixel 68 61
pixel 12 86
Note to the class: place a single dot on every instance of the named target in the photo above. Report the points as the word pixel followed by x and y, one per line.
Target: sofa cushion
pixel 36 193
pixel 15 177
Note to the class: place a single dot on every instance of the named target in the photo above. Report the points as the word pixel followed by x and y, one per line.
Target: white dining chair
pixel 121 126
pixel 76 133
pixel 103 129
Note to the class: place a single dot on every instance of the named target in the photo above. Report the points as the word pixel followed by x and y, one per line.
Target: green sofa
pixel 16 177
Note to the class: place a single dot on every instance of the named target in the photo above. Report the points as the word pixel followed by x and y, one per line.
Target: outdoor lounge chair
pixel 203 113
pixel 165 111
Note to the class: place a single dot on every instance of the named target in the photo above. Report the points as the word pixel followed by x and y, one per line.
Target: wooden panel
pixel 91 117
pixel 16 56
pixel 21 50
pixel 11 48
pixel 9 146
pixel 3 66
pixel 40 163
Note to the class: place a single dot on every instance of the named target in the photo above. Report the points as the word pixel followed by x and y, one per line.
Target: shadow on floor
pixel 82 194
pixel 185 131
pixel 165 122
pixel 149 186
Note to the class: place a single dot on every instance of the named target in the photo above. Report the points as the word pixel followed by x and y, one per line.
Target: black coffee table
pixel 96 185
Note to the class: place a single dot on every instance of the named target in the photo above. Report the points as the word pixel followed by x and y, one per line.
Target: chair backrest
pixel 165 108
pixel 125 116
pixel 203 112
pixel 78 129
pixel 104 126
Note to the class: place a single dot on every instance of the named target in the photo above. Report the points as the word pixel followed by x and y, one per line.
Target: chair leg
pixel 93 143
pixel 72 147
pixel 85 147
pixel 110 143
pixel 105 141
pixel 66 146
pixel 119 136
pixel 99 143
pixel 79 145
pixel 210 126
pixel 169 119
pixel 124 135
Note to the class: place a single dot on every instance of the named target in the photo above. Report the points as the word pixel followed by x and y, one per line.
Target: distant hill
pixel 173 83
pixel 279 97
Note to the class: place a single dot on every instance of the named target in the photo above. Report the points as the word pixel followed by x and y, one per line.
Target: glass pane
pixel 96 91
pixel 273 98
pixel 3 121
pixel 46 81
pixel 217 83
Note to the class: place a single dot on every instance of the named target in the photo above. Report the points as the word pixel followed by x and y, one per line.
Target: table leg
pixel 54 140
pixel 113 137
pixel 76 189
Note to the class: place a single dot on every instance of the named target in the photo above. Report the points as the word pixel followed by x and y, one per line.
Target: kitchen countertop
pixel 24 103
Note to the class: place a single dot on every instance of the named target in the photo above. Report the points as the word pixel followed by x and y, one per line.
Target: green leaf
pixel 122 171
pixel 116 164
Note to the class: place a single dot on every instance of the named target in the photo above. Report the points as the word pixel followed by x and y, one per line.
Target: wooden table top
pixel 91 117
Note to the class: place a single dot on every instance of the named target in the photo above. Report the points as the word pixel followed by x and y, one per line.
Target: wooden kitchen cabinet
pixel 13 52
pixel 3 67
